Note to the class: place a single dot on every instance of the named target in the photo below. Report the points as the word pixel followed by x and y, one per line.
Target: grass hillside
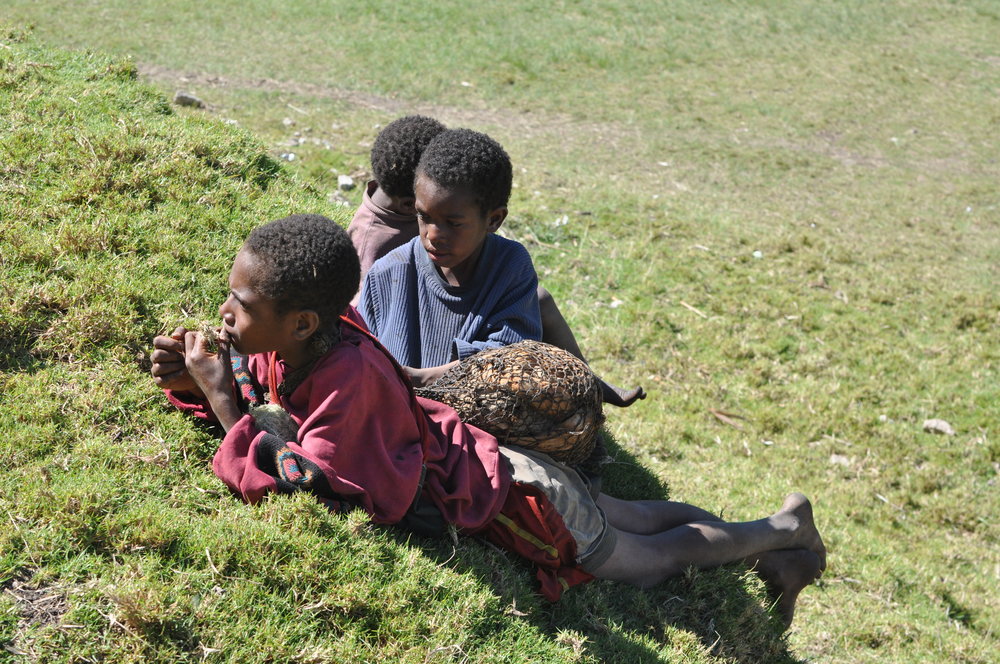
pixel 786 212
pixel 120 218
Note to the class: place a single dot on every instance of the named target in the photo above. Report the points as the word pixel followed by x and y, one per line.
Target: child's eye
pixel 240 303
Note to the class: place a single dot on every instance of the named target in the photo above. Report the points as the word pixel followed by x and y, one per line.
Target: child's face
pixel 453 227
pixel 251 320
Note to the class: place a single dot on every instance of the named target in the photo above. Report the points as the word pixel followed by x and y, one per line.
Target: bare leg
pixel 647 559
pixel 786 573
pixel 555 329
pixel 648 517
pixel 556 332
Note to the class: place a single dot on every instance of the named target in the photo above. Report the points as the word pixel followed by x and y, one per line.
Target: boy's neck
pixel 296 356
pixel 461 275
pixel 383 200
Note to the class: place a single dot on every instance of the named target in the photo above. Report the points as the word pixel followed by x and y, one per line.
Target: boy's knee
pixel 544 297
pixel 547 307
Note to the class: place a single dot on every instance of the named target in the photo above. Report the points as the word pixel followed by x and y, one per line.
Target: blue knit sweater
pixel 426 322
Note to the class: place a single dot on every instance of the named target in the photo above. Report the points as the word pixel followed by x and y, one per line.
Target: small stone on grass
pixel 939 427
pixel 187 99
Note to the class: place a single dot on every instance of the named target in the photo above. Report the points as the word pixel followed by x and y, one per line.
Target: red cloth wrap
pixel 530 526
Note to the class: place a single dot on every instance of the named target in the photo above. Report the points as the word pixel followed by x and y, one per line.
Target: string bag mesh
pixel 529 394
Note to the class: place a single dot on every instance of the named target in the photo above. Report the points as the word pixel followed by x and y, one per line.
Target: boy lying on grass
pixel 388 219
pixel 365 441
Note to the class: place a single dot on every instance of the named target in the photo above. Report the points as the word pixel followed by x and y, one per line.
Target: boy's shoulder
pixel 399 258
pixel 507 245
pixel 375 231
pixel 505 252
pixel 352 356
pixel 505 266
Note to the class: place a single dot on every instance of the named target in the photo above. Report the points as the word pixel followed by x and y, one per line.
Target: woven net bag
pixel 529 394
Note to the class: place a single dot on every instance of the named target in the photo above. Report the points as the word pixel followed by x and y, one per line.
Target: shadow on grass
pixel 15 355
pixel 718 612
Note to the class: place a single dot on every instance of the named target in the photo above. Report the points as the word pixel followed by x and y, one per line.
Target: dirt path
pixel 543 125
pixel 553 131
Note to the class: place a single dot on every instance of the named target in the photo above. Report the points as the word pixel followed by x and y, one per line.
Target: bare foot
pixel 786 573
pixel 617 396
pixel 796 514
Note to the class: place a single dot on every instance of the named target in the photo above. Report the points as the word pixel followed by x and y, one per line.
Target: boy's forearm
pixel 226 410
pixel 426 376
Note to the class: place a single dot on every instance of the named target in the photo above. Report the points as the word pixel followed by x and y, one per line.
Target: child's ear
pixel 306 322
pixel 494 219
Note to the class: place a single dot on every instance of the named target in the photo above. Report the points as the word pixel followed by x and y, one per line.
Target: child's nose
pixel 434 233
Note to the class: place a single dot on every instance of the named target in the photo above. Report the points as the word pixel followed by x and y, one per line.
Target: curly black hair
pixel 305 261
pixel 470 160
pixel 397 150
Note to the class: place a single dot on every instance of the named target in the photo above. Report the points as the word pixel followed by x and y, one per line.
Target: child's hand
pixel 213 374
pixel 168 368
pixel 209 370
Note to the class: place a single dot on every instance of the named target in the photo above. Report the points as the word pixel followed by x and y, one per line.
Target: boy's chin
pixel 442 261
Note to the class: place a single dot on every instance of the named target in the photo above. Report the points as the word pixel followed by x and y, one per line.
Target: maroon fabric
pixel 375 231
pixel 530 526
pixel 355 317
pixel 359 425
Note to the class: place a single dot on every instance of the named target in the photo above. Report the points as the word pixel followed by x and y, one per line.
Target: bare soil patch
pixel 37 606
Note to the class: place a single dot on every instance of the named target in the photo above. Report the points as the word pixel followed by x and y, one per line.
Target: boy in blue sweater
pixel 387 219
pixel 425 313
pixel 457 288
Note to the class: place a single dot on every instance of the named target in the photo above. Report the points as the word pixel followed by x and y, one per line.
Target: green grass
pixel 125 220
pixel 853 145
